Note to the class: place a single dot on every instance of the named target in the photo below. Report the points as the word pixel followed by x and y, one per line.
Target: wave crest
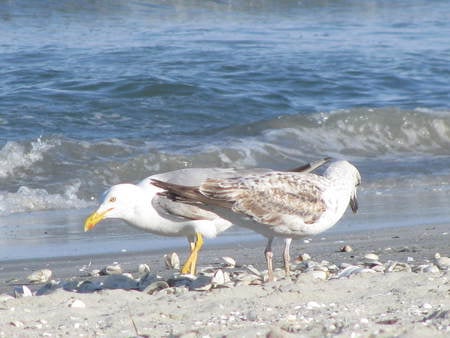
pixel 14 156
pixel 27 199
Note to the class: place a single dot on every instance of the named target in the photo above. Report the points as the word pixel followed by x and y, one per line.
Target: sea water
pixel 98 93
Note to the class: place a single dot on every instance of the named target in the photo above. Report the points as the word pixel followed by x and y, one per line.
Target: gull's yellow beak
pixel 94 219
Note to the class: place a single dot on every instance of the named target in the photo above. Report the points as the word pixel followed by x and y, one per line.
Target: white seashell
pixel 392 266
pixel 346 248
pixel 254 270
pixel 218 278
pixel 143 269
pixel 313 305
pixel 303 257
pixel 180 290
pixel 431 268
pixel 322 275
pixel 371 257
pixel 315 274
pixel 22 291
pixel 172 261
pixel 353 270
pixel 230 262
pixel 40 276
pixel 77 304
pixel 442 262
pixel 127 274
pixel 120 282
pixel 245 278
pixel 427 268
pixel 111 270
pixel 333 268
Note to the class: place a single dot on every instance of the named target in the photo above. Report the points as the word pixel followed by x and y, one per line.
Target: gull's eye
pixel 112 199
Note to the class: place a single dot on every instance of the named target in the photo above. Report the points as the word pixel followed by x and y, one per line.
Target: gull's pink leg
pixel 287 256
pixel 269 257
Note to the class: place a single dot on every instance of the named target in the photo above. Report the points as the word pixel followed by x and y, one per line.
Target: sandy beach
pixel 389 285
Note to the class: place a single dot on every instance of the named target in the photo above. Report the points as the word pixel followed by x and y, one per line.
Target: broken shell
pixel 155 287
pixel 111 270
pixel 303 258
pixel 218 278
pixel 230 262
pixel 127 274
pixel 40 276
pixel 393 266
pixel 371 260
pixel 352 270
pixel 442 262
pixel 77 304
pixel 371 257
pixel 120 282
pixel 426 268
pixel 172 261
pixel 22 291
pixel 346 248
pixel 243 278
pixel 143 269
pixel 319 274
pixel 332 268
pixel 254 270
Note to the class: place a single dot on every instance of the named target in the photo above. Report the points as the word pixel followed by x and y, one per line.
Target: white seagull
pixel 276 204
pixel 142 207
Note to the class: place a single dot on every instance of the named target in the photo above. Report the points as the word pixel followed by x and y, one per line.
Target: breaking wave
pixel 26 199
pixel 54 172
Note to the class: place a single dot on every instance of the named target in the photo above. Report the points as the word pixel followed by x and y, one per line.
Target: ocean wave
pixel 26 199
pixel 392 147
pixel 15 156
pixel 355 133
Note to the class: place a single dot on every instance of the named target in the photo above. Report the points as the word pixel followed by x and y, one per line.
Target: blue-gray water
pixel 97 93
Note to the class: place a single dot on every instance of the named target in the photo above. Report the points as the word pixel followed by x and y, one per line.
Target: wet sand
pixel 403 302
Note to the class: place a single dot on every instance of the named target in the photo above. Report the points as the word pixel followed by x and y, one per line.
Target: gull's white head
pixel 117 202
pixel 348 176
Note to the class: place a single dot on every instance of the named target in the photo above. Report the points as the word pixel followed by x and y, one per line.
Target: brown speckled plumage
pixel 290 194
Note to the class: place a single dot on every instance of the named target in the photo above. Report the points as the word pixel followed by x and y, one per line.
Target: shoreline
pixel 404 302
